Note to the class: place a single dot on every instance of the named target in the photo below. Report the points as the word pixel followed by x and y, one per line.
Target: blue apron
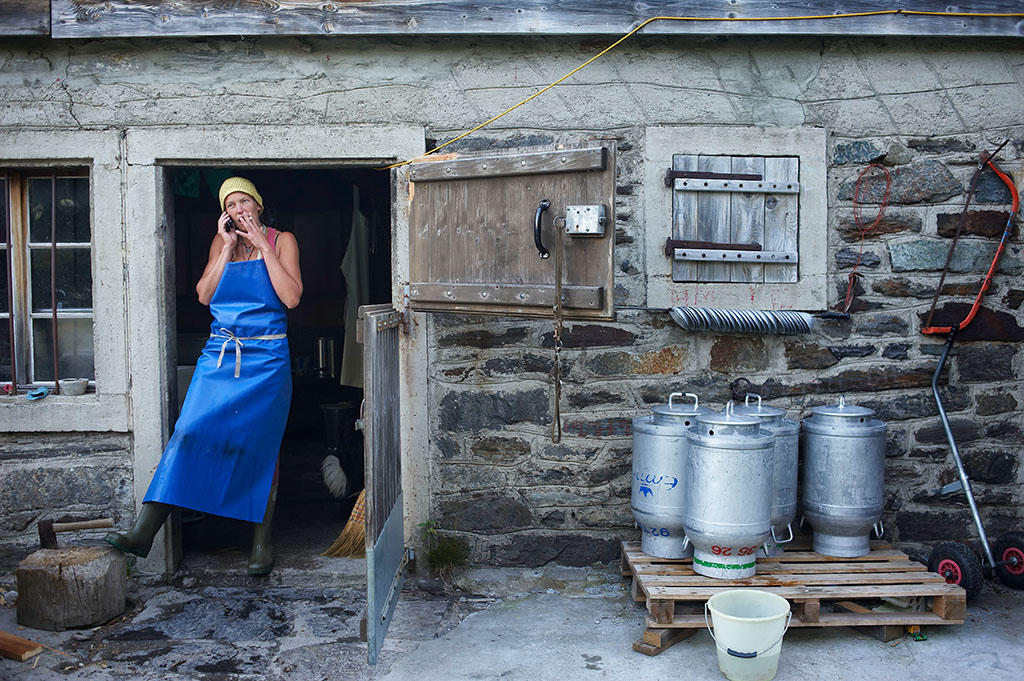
pixel 222 454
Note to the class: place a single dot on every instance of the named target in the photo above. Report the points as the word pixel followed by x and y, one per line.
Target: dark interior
pixel 318 206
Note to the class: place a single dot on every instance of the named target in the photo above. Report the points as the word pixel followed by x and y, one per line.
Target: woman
pixel 222 457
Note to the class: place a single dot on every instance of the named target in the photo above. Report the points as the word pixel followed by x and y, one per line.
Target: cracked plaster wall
pixel 497 480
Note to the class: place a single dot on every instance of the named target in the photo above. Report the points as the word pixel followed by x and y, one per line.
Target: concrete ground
pixel 557 623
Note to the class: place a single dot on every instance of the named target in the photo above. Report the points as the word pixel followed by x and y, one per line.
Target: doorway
pixel 341 218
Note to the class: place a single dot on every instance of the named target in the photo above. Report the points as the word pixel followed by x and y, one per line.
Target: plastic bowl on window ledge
pixel 73 386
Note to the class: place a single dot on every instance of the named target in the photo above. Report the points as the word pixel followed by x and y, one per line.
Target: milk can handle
pixel 673 395
pixel 879 529
pixel 777 540
pixel 789 618
pixel 746 400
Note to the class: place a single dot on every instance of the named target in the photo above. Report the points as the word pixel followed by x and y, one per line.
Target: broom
pixel 351 543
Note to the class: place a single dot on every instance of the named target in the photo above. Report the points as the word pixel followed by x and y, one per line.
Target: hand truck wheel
pixel 1010 548
pixel 959 565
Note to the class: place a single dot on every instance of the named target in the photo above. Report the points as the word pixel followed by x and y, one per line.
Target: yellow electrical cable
pixel 608 49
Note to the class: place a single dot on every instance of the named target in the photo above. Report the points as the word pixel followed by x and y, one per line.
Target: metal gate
pixel 386 554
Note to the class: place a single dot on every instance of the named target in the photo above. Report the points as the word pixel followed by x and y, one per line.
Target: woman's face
pixel 238 204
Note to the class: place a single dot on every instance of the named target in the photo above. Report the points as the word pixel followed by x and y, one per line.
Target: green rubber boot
pixel 139 540
pixel 261 560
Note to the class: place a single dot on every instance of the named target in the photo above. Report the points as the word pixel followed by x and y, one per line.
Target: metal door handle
pixel 541 207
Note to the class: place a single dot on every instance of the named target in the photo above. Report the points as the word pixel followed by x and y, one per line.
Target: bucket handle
pixel 879 529
pixel 789 526
pixel 746 656
pixel 686 542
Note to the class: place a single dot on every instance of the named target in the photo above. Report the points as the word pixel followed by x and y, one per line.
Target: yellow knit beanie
pixel 239 184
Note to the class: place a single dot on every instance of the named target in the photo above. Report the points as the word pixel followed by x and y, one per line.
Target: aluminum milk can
pixel 660 451
pixel 729 493
pixel 843 478
pixel 785 468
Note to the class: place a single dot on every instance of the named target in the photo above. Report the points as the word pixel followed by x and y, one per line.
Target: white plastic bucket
pixel 749 626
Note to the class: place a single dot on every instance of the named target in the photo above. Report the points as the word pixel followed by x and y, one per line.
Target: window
pixel 736 217
pixel 46 306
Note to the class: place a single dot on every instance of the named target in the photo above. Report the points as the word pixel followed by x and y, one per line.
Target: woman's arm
pixel 220 255
pixel 283 268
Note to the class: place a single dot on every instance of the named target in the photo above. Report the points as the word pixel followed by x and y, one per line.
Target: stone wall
pixel 497 478
pixel 48 476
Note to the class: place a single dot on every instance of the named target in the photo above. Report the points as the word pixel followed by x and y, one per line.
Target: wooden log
pixel 75 586
pixel 655 641
pixel 17 648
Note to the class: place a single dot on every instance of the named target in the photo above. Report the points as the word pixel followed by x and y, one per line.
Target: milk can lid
pixel 760 410
pixel 674 409
pixel 843 410
pixel 730 417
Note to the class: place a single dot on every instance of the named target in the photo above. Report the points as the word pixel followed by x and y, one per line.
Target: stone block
pixel 488 513
pixel 462 411
pixel 896 350
pixel 593 398
pixel 71 587
pixel 990 189
pixel 803 355
pixel 996 403
pixel 1014 298
pixel 930 255
pixel 918 405
pixel 471 477
pixel 567 453
pixel 892 222
pixel 994 466
pixel 591 336
pixel 844 351
pixel 615 427
pixel 730 354
pixel 986 223
pixel 933 525
pixel 1005 430
pixel 858 151
pixel 963 431
pixel 533 549
pixel 847 257
pixel 988 325
pixel 850 381
pixel 500 451
pixel 942 145
pixel 924 181
pixel 484 338
pixel 986 362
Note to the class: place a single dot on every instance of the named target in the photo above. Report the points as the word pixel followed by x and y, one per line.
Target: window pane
pixel 4 302
pixel 74 279
pixel 72 209
pixel 5 349
pixel 75 344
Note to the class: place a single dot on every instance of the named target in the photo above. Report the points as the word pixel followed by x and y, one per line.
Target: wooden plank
pixel 110 18
pixel 766 568
pixel 528 295
pixel 656 641
pixel 951 606
pixel 781 217
pixel 786 579
pixel 24 17
pixel 713 218
pixel 736 186
pixel 684 218
pixel 807 610
pixel 17 648
pixel 825 619
pixel 537 163
pixel 834 592
pixel 748 219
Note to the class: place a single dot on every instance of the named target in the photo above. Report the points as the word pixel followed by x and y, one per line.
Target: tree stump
pixel 75 586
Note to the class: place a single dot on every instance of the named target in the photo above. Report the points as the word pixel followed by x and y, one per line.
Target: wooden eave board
pixel 130 18
pixel 24 17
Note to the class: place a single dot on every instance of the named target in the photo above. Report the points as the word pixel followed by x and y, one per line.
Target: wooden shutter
pixel 728 216
pixel 471 232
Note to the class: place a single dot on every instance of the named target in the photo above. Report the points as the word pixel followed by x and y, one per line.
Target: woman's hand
pixel 230 236
pixel 252 230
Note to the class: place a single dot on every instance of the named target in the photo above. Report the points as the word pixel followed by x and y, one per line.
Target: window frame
pixel 101 154
pixel 22 247
pixel 810 291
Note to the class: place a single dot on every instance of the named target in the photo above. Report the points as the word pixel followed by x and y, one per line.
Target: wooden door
pixel 477 232
pixel 378 327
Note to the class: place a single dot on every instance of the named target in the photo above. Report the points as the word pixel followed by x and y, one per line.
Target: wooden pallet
pixel 824 591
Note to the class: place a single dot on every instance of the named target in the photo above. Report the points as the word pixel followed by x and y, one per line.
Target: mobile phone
pixel 229 225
